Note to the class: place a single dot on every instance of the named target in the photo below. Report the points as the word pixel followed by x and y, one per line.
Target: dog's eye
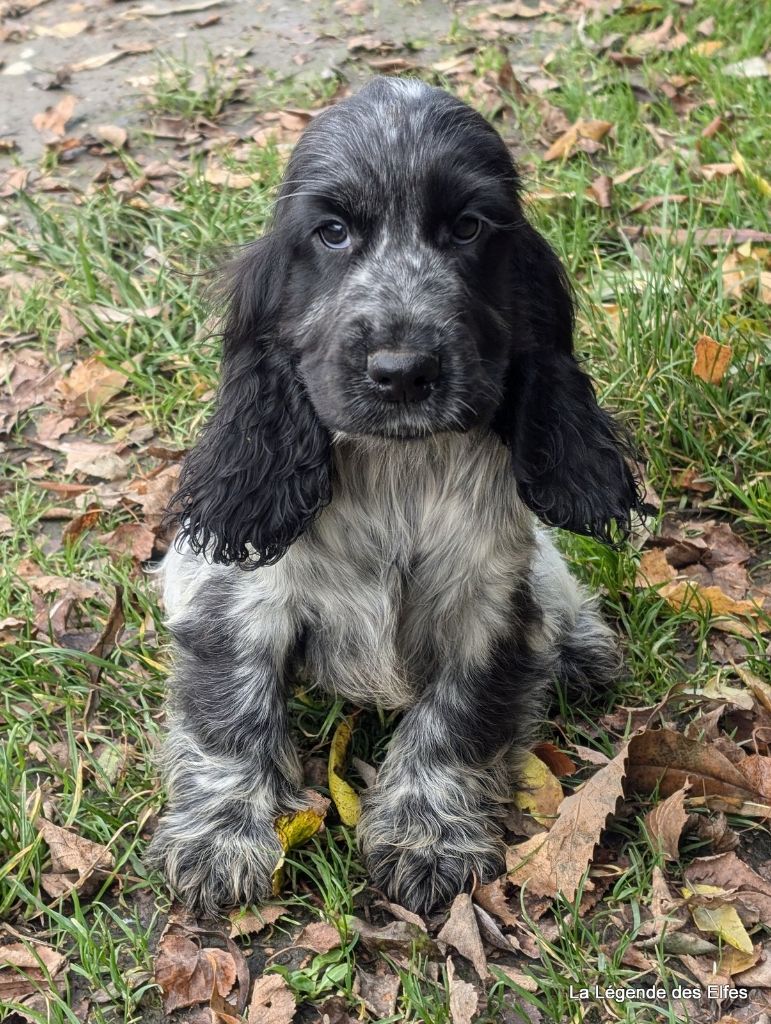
pixel 465 230
pixel 334 235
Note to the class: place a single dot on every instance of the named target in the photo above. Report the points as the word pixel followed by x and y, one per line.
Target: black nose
pixel 403 376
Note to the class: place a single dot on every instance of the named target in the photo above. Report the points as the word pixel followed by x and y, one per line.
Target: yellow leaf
pixel 541 793
pixel 749 175
pixel 710 359
pixel 708 47
pixel 722 919
pixel 344 795
pixel 297 828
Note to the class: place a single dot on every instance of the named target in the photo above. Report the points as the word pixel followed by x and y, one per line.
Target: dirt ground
pixel 275 39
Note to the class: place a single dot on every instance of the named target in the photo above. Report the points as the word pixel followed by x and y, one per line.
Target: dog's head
pixel 399 292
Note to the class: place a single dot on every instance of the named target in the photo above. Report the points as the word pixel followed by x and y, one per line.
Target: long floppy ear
pixel 570 457
pixel 260 471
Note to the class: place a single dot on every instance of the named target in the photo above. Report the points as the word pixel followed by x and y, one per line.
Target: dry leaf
pixel 99 60
pixel 710 359
pixel 557 761
pixel 710 237
pixel 297 828
pixel 464 998
pixel 151 11
pixel 555 863
pixel 654 569
pixel 344 795
pixel 91 458
pixel 602 191
pixel 221 176
pixel 718 917
pixel 52 123
pixel 272 1001
pixel 663 760
pixel 251 923
pixel 522 980
pixel 90 384
pixel 395 937
pixel 378 991
pixel 665 823
pixel 76 862
pixel 112 134
pixel 70 329
pixel 493 897
pixel 461 931
pixel 562 148
pixel 752 67
pixel 62 29
pixel 133 539
pixel 25 969
pixel 319 936
pixel 188 973
pixel 539 792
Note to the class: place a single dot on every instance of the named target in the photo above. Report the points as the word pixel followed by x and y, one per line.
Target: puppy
pixel 399 406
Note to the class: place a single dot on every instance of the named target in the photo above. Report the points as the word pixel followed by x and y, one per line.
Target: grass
pixel 642 307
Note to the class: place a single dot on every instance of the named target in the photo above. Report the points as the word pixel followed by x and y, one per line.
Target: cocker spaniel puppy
pixel 399 395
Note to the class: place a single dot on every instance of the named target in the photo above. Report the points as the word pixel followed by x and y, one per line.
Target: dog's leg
pixel 230 765
pixel 429 823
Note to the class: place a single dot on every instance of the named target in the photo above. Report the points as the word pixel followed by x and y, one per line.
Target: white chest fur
pixel 413 562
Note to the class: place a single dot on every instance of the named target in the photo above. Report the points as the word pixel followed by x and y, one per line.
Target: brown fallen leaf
pixel 492 897
pixel 461 931
pixel 757 771
pixel 563 147
pixel 665 823
pixel 99 60
pixel 153 11
pixel 653 201
pixel 25 968
pixel 555 862
pixel 394 937
pixel 77 863
pixel 134 539
pixel 52 122
pixel 524 981
pixel 663 760
pixel 378 991
pixel 601 189
pixel 92 458
pixel 225 178
pixel 272 1001
pixel 112 134
pixel 464 998
pixel 710 237
pixel 251 923
pixel 710 359
pixel 90 384
pixel 711 171
pixel 70 329
pixel 654 569
pixel 728 871
pixel 190 973
pixel 711 600
pixel 555 759
pixel 319 936
pixel 80 524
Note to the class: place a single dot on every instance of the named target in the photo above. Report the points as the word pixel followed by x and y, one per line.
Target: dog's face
pixel 400 292
pixel 400 214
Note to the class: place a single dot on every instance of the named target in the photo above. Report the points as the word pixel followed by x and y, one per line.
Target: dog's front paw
pixel 422 861
pixel 210 865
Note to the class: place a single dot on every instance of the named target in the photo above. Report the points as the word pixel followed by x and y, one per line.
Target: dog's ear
pixel 570 457
pixel 260 471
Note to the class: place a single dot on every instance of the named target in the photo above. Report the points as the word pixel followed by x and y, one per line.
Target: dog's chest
pixel 412 566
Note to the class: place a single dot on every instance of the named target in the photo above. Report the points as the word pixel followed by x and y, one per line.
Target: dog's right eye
pixel 334 235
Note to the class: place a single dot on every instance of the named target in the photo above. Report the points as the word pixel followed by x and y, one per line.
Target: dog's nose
pixel 403 376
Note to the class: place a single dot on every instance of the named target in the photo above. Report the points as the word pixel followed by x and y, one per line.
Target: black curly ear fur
pixel 260 471
pixel 570 457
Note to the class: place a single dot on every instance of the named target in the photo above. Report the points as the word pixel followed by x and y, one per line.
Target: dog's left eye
pixel 334 235
pixel 466 230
